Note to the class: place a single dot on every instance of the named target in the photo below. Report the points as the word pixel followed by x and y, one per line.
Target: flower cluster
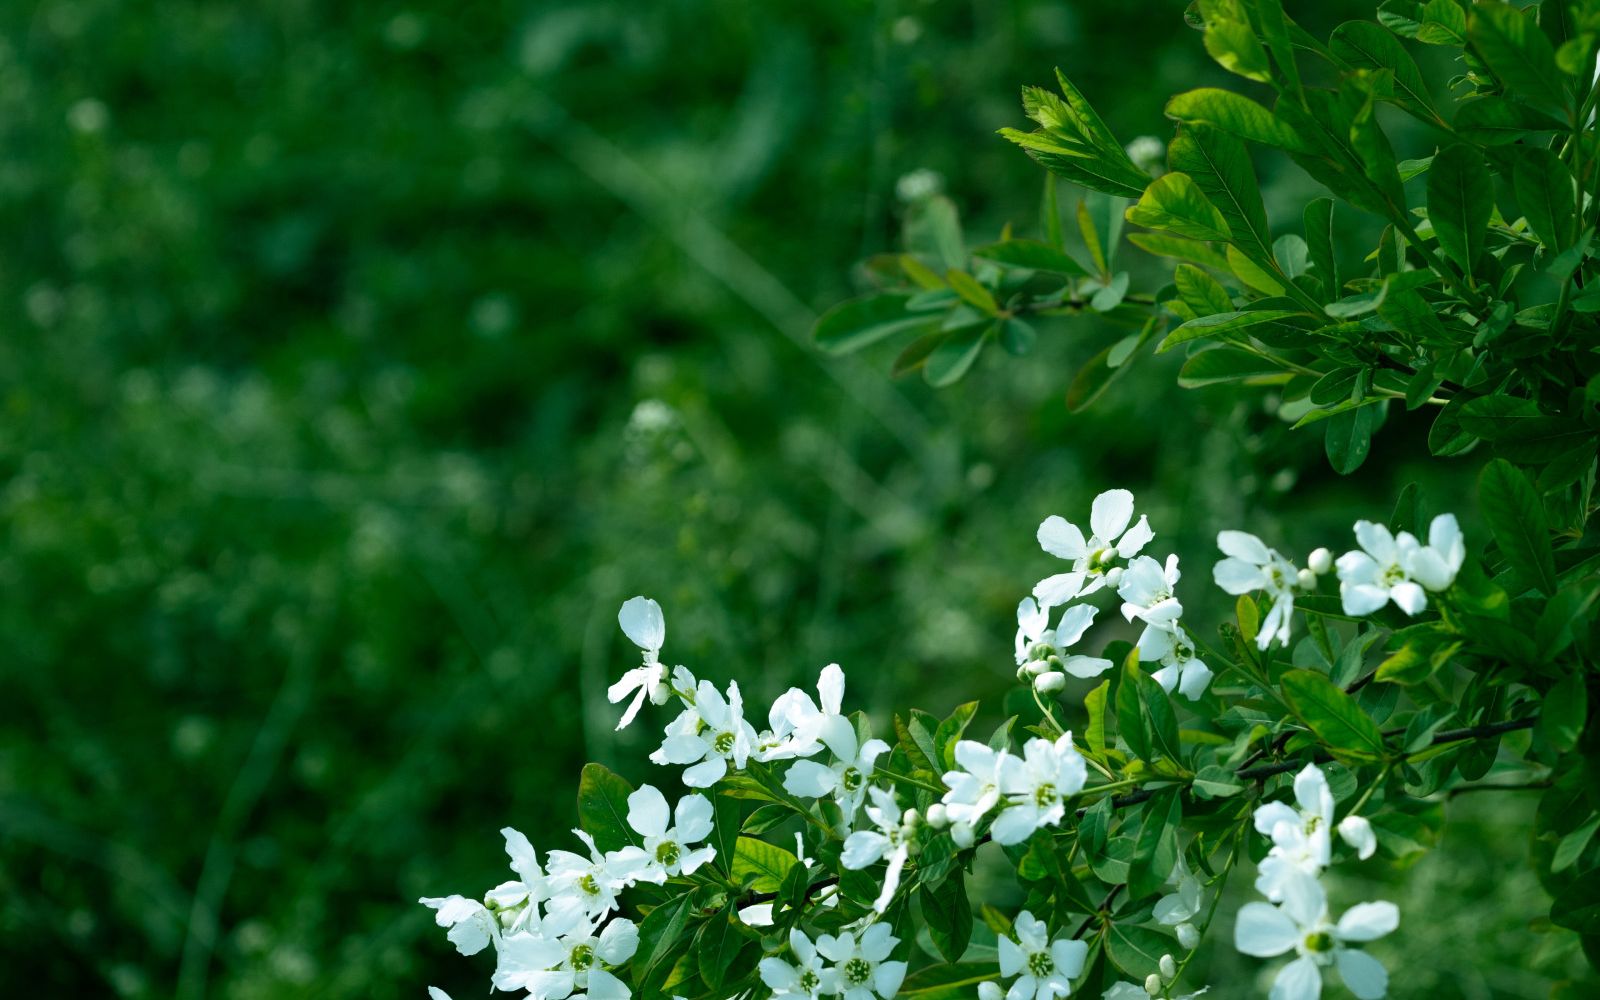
pixel 1023 793
pixel 1044 967
pixel 854 965
pixel 1297 917
pixel 1109 557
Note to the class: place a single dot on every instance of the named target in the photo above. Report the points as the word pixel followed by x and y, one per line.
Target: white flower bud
pixel 990 990
pixel 1168 967
pixel 963 834
pixel 1152 984
pixel 1306 579
pixel 909 821
pixel 1320 561
pixel 937 817
pixel 1357 832
pixel 1114 576
pixel 1033 668
pixel 1188 937
pixel 1050 683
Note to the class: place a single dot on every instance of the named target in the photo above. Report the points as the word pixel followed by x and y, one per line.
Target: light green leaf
pixel 1174 203
pixel 763 864
pixel 1220 165
pixel 1221 323
pixel 1235 114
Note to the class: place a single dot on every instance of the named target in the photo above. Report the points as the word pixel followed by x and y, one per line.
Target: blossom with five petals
pixel 1109 539
pixel 890 840
pixel 1148 591
pixel 1036 791
pixel 974 788
pixel 1181 666
pixel 1047 967
pixel 805 976
pixel 846 779
pixel 860 962
pixel 668 848
pixel 644 625
pixel 710 736
pixel 1037 641
pixel 1301 924
pixel 1250 566
pixel 553 968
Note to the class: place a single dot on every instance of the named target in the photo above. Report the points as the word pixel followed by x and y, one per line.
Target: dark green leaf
pixel 1565 708
pixel 1519 54
pixel 1366 45
pixel 1348 436
pixel 948 914
pixel 852 325
pixel 1032 255
pixel 1545 195
pixel 603 807
pixel 1220 165
pixel 1235 114
pixel 1516 516
pixel 1460 202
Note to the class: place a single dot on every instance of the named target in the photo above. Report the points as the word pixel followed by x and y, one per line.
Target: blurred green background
pixel 360 359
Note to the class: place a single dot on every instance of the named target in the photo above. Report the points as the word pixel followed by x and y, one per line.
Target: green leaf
pixel 1348 436
pixel 948 914
pixel 658 936
pixel 948 982
pixel 1565 708
pixel 1347 731
pixel 1577 906
pixel 1031 254
pixel 1220 164
pixel 933 230
pixel 1516 517
pixel 1133 724
pixel 1253 274
pixel 1094 703
pixel 1177 248
pixel 1318 220
pixel 1235 114
pixel 853 324
pixel 1495 121
pixel 1224 322
pixel 760 865
pixel 1156 844
pixel 1235 48
pixel 1460 202
pixel 603 807
pixel 1570 848
pixel 1217 782
pixel 1174 203
pixel 1545 195
pixel 1366 45
pixel 1136 950
pixel 726 823
pixel 1519 54
pixel 1443 23
pixel 953 357
pixel 1224 364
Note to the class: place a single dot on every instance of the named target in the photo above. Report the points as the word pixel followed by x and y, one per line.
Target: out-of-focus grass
pixel 359 361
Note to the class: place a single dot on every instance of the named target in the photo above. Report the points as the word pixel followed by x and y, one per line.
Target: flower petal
pixel 1264 931
pixel 643 623
pixel 1110 513
pixel 647 811
pixel 1367 921
pixel 1299 980
pixel 1061 538
pixel 1243 546
pixel 1365 975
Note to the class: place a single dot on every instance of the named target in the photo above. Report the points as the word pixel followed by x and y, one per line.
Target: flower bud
pixel 1188 937
pixel 1306 579
pixel 1033 668
pixel 1320 561
pixel 1168 967
pixel 1152 984
pixel 909 821
pixel 963 834
pixel 1113 576
pixel 937 817
pixel 1050 683
pixel 990 990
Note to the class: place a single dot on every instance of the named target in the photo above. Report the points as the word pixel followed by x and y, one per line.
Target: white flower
pixel 643 624
pixel 1436 564
pixel 861 963
pixel 806 977
pixel 1037 643
pixel 1047 967
pixel 588 886
pixel 1132 991
pixel 710 736
pixel 1371 578
pixel 553 969
pixel 1148 591
pixel 990 990
pixel 1302 838
pixel 1301 924
pixel 471 924
pixel 669 849
pixel 1180 667
pixel 1183 902
pixel 974 789
pixel 520 895
pixel 846 779
pixel 890 840
pixel 796 721
pixel 1038 788
pixel 1251 566
pixel 1109 539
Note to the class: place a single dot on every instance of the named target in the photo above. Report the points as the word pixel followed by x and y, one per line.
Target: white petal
pixel 1054 591
pixel 1444 537
pixel 693 818
pixel 1377 540
pixel 1011 957
pixel 877 942
pixel 435 993
pixel 759 915
pixel 1032 620
pixel 1299 980
pixel 888 977
pixel 1085 666
pixel 647 811
pixel 1263 930
pixel 1243 546
pixel 1410 597
pixel 1110 513
pixel 706 773
pixel 1069 956
pixel 1136 538
pixel 1357 567
pixel 618 941
pixel 1015 824
pixel 1060 538
pixel 778 974
pixel 840 736
pixel 605 986
pixel 1365 975
pixel 1195 679
pixel 891 879
pixel 1312 792
pixel 1270 814
pixel 1235 576
pixel 682 750
pixel 643 623
pixel 1362 599
pixel 810 780
pixel 1304 900
pixel 1074 622
pixel 1367 921
pixel 862 848
pixel 830 688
